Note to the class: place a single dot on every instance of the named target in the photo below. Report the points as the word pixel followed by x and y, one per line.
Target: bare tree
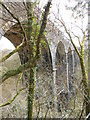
pixel 31 41
pixel 81 51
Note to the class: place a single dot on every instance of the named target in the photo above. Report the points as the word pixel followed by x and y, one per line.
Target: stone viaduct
pixel 59 54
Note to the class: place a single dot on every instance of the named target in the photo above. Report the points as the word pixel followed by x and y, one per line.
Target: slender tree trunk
pixel 30 58
pixel 86 86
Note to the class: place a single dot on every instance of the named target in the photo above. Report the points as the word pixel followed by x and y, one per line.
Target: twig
pixel 9 102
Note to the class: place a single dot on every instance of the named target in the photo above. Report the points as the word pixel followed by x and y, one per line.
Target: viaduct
pixel 59 55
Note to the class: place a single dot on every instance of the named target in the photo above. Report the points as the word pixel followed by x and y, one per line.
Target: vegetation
pixel 80 52
pixel 33 36
pixel 32 41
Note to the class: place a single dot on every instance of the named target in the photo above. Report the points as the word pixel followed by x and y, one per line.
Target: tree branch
pixel 43 25
pixel 77 38
pixel 13 52
pixel 62 22
pixel 11 73
pixel 83 40
pixel 9 102
pixel 82 47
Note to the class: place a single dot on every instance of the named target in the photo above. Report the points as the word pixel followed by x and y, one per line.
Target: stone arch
pixel 14 34
pixel 44 67
pixel 63 44
pixel 61 49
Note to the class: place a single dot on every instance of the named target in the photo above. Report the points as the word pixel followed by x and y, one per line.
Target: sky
pixel 66 15
pixel 5 43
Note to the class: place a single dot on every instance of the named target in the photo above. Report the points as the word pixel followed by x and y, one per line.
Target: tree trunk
pixel 32 73
pixel 86 86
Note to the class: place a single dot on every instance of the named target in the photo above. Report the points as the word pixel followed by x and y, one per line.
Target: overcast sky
pixel 66 15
